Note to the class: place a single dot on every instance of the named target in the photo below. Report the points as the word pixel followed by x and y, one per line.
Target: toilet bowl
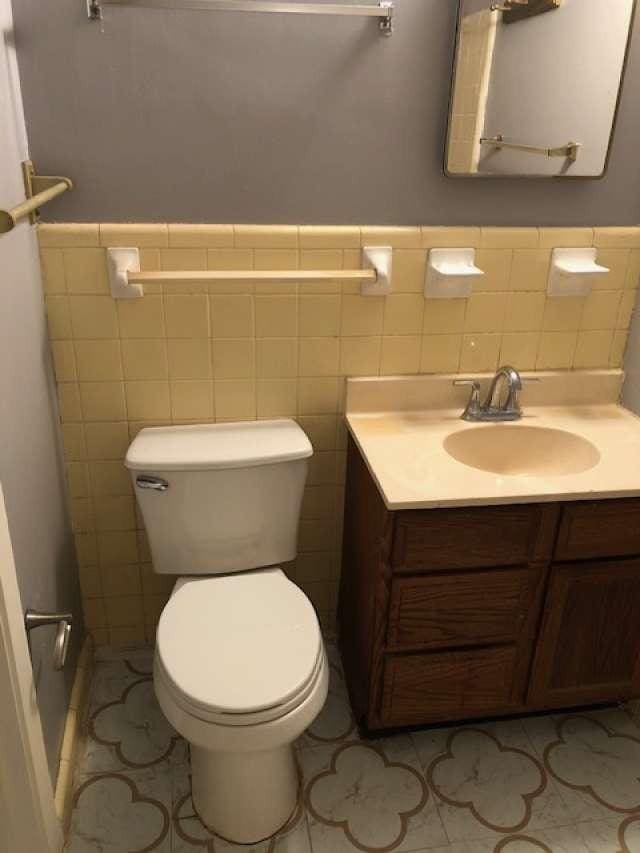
pixel 241 710
pixel 240 668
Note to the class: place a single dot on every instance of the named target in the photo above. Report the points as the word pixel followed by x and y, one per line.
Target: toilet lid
pixel 239 643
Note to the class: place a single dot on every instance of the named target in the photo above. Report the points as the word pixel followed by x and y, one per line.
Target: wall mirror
pixel 535 87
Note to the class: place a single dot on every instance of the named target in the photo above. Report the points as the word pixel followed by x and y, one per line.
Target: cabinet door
pixel 589 644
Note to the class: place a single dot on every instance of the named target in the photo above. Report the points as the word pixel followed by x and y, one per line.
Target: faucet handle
pixel 475 388
pixel 473 405
pixel 472 382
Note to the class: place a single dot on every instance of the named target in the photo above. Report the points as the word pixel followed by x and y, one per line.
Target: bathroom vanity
pixel 470 593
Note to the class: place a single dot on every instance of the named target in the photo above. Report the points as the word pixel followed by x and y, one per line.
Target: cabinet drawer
pixel 444 685
pixel 431 540
pixel 471 609
pixel 599 529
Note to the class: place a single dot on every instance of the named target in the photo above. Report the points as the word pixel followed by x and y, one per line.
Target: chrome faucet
pixel 493 410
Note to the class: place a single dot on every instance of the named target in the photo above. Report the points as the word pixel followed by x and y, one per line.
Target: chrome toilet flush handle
pixel 156 484
pixel 35 619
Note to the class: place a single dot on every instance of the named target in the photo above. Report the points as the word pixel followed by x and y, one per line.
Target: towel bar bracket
pixel 35 184
pixel 38 189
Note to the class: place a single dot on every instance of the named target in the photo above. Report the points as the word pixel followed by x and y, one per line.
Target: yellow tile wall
pixel 190 352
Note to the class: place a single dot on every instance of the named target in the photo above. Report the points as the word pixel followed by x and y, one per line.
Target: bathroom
pixel 320 450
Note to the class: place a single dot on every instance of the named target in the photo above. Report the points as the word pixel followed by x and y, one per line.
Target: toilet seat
pixel 221 718
pixel 238 649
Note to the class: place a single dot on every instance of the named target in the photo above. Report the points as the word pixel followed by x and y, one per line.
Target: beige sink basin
pixel 517 450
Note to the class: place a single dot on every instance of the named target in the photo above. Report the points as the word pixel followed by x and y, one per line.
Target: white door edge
pixel 27 810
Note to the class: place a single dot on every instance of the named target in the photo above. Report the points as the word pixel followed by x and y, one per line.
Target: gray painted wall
pixel 231 117
pixel 31 469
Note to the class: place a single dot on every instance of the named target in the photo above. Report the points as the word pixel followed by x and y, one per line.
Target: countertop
pixel 399 425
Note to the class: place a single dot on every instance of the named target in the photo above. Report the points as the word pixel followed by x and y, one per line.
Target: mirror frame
pixel 518 176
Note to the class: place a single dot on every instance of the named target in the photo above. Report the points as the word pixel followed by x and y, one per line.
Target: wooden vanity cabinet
pixel 456 613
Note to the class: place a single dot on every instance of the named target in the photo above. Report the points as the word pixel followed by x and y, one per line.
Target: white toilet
pixel 240 668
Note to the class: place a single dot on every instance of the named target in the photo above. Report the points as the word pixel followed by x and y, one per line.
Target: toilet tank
pixel 219 498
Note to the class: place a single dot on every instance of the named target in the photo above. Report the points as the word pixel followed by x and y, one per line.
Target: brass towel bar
pixel 39 189
pixel 127 280
pixel 253 275
pixel 570 150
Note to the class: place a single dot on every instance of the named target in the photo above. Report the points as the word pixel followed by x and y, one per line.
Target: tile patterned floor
pixel 561 783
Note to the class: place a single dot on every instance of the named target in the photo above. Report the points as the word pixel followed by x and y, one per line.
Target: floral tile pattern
pixel 556 783
pixel 589 757
pixel 629 834
pixel 497 783
pixel 492 785
pixel 368 797
pixel 572 780
pixel 134 726
pixel 118 813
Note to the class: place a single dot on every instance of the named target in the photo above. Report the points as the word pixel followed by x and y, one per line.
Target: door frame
pixel 27 807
